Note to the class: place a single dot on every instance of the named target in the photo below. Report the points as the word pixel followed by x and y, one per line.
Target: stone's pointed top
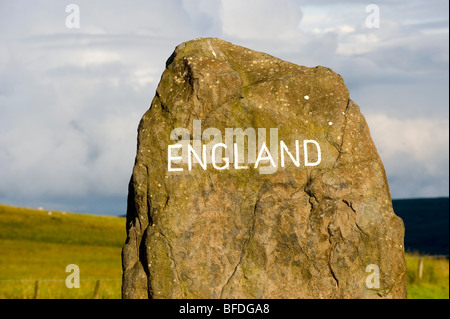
pixel 201 42
pixel 317 222
pixel 205 39
pixel 198 45
pixel 215 48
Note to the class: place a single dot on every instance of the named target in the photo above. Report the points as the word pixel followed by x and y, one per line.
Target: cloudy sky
pixel 71 98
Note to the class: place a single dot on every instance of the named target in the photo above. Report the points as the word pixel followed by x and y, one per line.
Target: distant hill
pixel 426 223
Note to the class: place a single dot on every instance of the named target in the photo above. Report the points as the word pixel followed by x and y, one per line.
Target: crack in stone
pixel 310 193
pixel 163 105
pixel 360 229
pixel 333 245
pixel 349 204
pixel 171 258
pixel 344 128
pixel 148 200
pixel 143 261
pixel 167 201
pixel 244 246
pixel 332 272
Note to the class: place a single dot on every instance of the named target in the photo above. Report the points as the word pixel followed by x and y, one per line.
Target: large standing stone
pixel 301 232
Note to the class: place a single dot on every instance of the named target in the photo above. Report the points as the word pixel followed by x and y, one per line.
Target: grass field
pixel 38 245
pixel 434 283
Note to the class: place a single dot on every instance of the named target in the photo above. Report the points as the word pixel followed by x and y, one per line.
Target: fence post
pixel 420 268
pixel 97 288
pixel 36 289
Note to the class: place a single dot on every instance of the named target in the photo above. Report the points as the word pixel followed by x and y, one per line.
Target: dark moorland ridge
pixel 426 222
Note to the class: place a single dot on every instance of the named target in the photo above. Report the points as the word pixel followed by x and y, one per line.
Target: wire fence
pixel 99 281
pixel 37 284
pixel 420 267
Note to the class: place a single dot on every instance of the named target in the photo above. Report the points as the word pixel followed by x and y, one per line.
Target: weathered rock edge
pixel 298 233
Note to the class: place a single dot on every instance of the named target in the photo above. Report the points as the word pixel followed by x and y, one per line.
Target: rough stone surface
pixel 302 232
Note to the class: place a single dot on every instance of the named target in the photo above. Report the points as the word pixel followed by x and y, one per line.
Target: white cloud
pixel 413 147
pixel 260 19
pixel 71 99
pixel 424 140
pixel 95 57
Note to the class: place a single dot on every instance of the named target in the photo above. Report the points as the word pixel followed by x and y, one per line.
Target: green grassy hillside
pixel 434 282
pixel 38 245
